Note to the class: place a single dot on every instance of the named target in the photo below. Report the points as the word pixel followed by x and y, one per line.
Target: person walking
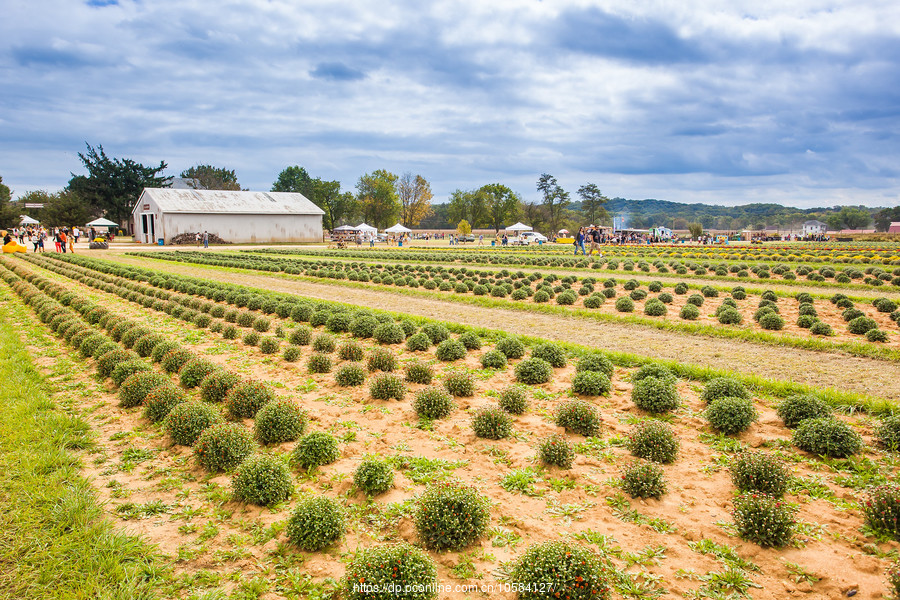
pixel 205 239
pixel 62 240
pixel 481 239
pixel 35 239
pixel 595 240
pixel 199 238
pixel 56 239
pixel 579 242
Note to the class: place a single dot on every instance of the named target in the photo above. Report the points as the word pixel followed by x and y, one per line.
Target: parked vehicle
pixel 532 237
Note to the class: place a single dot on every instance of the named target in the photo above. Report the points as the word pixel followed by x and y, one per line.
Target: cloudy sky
pixel 723 102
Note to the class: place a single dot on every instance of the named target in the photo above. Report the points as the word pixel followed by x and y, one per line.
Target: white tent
pixel 101 222
pixel 26 220
pixel 398 228
pixel 367 228
pixel 345 228
pixel 519 227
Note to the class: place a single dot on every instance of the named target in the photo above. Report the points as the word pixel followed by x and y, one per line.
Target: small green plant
pixel 653 440
pixel 821 328
pixel 470 340
pixel 459 384
pixel 135 389
pixel 888 433
pixel 653 370
pixel 175 359
pixel 799 407
pixel 731 415
pixel 644 479
pixel 324 342
pixel 827 436
pixel 510 347
pixel 570 570
pixel 876 335
pixel 351 350
pixel 251 338
pixel 319 363
pixel 451 516
pixel 281 420
pixel 555 450
pixel 247 397
pixel 350 375
pixel 861 325
pixel 450 350
pixel 269 345
pixel 760 472
pixel 399 566
pixel 655 394
pixel 595 361
pixel 433 403
pixel 223 446
pixel 262 479
pixel 107 363
pixel 292 353
pixel 893 578
pixel 126 369
pixel 301 335
pixel 493 359
pixel 195 371
pixel 373 476
pixel 389 333
pixel 724 387
pixel 315 449
pixel 215 386
pixel 881 509
pixel 187 420
pixel 655 308
pixel 591 383
pixel 578 417
pixel 625 304
pixel 315 523
pixel 514 399
pixel 385 386
pixel 491 422
pixel 161 400
pixel 689 312
pixel 418 342
pixel 533 371
pixel 381 359
pixel 419 372
pixel 552 353
pixel 763 519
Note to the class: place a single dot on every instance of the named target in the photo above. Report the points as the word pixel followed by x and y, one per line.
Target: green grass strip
pixel 54 539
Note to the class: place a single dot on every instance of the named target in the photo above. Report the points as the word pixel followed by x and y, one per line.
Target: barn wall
pixel 243 228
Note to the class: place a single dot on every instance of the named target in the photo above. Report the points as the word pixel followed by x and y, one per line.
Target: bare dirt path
pixel 861 375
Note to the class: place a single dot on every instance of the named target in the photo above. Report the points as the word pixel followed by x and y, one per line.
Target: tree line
pixel 111 187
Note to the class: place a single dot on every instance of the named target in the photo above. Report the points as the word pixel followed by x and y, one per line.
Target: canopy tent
pixel 398 228
pixel 367 228
pixel 345 228
pixel 26 220
pixel 101 222
pixel 519 227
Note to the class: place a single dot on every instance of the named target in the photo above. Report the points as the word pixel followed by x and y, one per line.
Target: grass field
pixel 416 385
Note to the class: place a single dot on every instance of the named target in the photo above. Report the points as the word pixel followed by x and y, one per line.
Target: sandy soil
pixel 210 537
pixel 819 369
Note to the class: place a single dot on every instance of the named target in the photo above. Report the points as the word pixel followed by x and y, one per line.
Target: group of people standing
pixel 64 239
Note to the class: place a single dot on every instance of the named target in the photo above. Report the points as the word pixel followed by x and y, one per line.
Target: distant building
pixel 663 233
pixel 814 228
pixel 235 216
pixel 894 228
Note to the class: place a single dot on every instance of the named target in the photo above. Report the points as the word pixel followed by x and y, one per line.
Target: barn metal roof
pixel 231 202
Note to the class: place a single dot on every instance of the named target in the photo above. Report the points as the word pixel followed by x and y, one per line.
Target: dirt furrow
pixel 861 375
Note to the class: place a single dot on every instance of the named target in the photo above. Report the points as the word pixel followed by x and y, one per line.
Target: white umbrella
pixel 562 231
pixel 345 228
pixel 519 227
pixel 367 228
pixel 101 222
pixel 26 220
pixel 398 228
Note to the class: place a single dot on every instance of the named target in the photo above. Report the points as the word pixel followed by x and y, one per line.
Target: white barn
pixel 235 216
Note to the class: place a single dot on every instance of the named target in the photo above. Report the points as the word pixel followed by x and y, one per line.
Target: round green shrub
pixel 418 342
pixel 595 361
pixel 511 347
pixel 381 359
pixel 881 509
pixel 625 304
pixel 385 386
pixel 433 403
pixel 552 353
pixel 338 322
pixel 451 516
pixel 760 472
pixel 352 351
pixel 799 407
pixel 533 371
pixel 389 333
pixel 246 398
pixel 91 343
pixel 373 476
pixel 724 387
pixel 541 296
pixel 319 363
pixel 731 415
pixel 591 383
pixel 764 520
pixel 223 446
pixel 195 371
pixel 876 335
pixel 493 359
pixel 144 346
pixel 350 375
pixel 394 567
pixel 827 436
pixel 570 570
pixel 771 321
pixel 806 321
pixel 126 369
pixel 319 318
pixel 160 401
pixel 281 420
pixel 315 523
pixel 418 372
pixel 436 332
pixel 176 359
pixel 269 345
pixel 656 394
pixel 230 332
pixel 315 449
pixel 450 350
pixel 187 420
pixel 324 342
pixel 262 479
pixel 216 385
pixel 653 440
pixel 888 433
pixel 861 325
pixel 655 308
pixel 292 353
pixel 491 422
pixel 730 316
pixel 301 335
pixel 134 389
pixel 593 301
pixel 655 370
pixel 696 299
pixel 852 313
pixel 514 399
pixel 555 450
pixel 821 328
pixel 578 417
pixel 363 326
pixel 108 362
pixel 689 312
pixel 644 479
pixel 459 384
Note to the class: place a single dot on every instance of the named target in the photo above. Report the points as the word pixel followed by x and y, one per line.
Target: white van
pixel 532 237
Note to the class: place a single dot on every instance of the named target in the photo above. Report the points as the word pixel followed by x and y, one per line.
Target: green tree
pixel 849 217
pixel 555 199
pixel 377 198
pixel 9 212
pixel 468 205
pixel 886 216
pixel 415 197
pixel 592 201
pixel 463 227
pixel 64 209
pixel 696 230
pixel 501 204
pixel 294 179
pixel 212 178
pixel 535 214
pixel 113 185
pixel 337 205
